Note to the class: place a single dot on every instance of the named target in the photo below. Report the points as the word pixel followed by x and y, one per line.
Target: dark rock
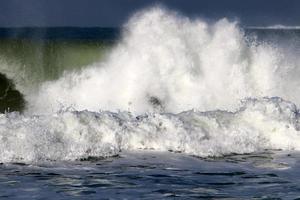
pixel 10 98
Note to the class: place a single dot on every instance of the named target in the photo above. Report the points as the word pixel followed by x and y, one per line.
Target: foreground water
pixel 157 175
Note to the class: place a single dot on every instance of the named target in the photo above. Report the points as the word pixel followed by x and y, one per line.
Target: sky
pixel 114 13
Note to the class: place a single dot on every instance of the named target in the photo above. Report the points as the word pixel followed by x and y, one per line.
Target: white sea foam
pixel 268 123
pixel 165 63
pixel 170 63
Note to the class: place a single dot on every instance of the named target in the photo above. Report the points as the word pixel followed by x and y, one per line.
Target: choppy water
pixel 153 175
pixel 166 107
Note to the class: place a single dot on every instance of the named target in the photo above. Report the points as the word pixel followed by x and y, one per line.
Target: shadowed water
pixel 154 175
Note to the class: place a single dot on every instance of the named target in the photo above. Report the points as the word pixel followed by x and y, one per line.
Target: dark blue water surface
pixel 113 33
pixel 60 33
pixel 155 175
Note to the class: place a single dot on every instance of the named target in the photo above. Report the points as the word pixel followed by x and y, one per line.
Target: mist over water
pixel 169 63
pixel 162 86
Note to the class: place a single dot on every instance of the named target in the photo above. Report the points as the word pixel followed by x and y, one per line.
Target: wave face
pixel 164 64
pixel 268 123
pixel 31 62
pixel 170 63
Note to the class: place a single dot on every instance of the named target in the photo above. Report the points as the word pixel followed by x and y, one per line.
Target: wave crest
pixel 171 63
pixel 267 123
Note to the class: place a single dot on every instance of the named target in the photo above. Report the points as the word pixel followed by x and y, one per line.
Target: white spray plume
pixel 167 62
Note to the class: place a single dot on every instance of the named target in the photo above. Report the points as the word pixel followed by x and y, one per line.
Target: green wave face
pixel 28 63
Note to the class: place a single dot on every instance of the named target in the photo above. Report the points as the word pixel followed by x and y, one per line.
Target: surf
pixel 170 83
pixel 259 124
pixel 180 64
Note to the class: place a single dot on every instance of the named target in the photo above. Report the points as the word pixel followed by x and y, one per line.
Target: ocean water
pixel 164 107
pixel 153 175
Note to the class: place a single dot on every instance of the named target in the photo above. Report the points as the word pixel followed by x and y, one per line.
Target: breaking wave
pixel 138 97
pixel 169 63
pixel 267 123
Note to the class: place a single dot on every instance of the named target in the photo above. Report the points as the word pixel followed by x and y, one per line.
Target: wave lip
pixel 266 123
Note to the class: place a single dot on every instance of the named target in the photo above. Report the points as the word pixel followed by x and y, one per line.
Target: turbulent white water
pixel 165 63
pixel 257 125
pixel 179 63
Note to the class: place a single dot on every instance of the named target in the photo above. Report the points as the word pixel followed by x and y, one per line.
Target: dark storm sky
pixel 108 13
